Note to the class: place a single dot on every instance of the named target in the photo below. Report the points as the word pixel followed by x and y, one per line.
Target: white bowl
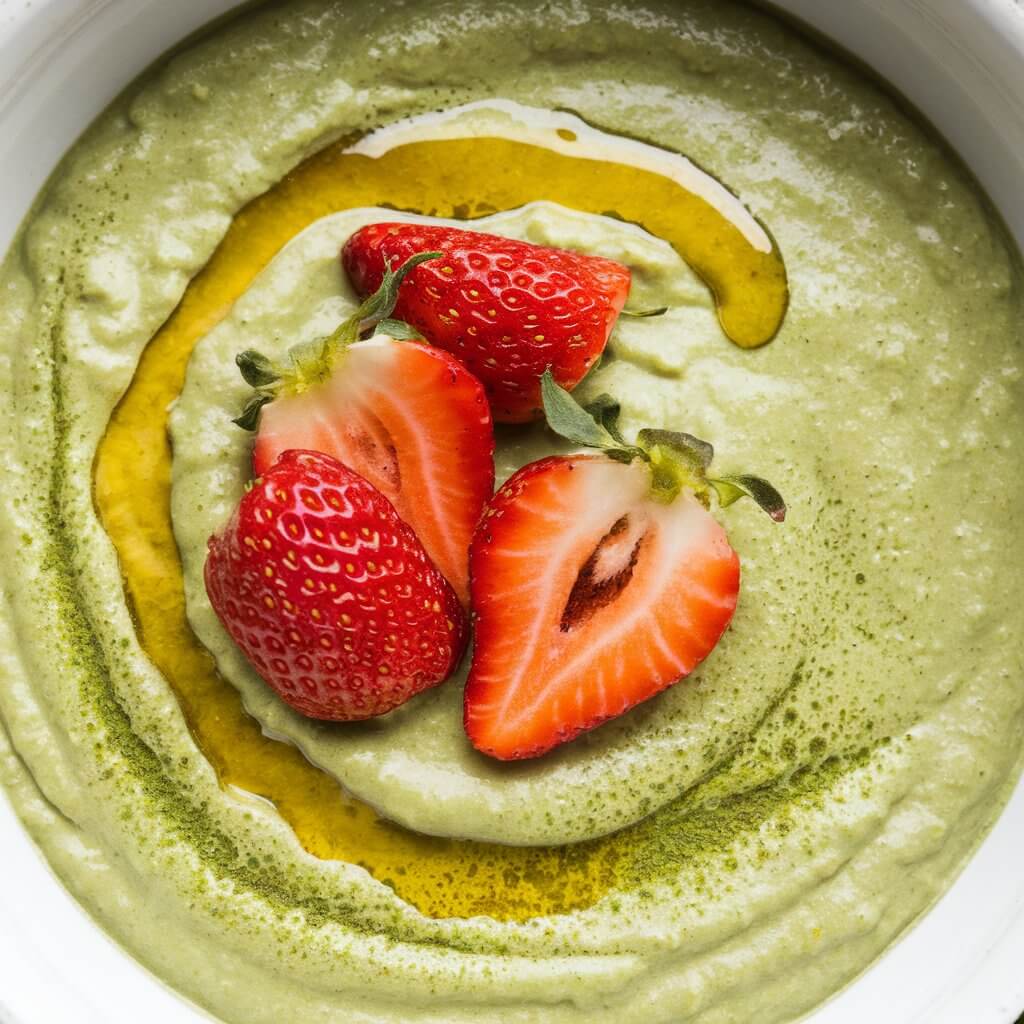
pixel 960 61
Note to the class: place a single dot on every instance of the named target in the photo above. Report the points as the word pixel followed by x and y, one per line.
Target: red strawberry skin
pixel 411 420
pixel 330 595
pixel 507 309
pixel 590 597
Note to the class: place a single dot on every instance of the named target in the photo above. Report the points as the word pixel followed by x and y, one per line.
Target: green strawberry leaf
pixel 642 313
pixel 696 452
pixel 381 304
pixel 377 307
pixel 257 370
pixel 731 488
pixel 567 418
pixel 398 329
pixel 312 361
pixel 678 461
pixel 251 413
pixel 605 410
pixel 671 474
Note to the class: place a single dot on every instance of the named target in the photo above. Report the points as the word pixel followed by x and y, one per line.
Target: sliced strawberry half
pixel 590 597
pixel 411 420
pixel 597 580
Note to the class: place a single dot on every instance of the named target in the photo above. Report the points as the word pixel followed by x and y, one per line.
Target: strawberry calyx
pixel 678 461
pixel 312 362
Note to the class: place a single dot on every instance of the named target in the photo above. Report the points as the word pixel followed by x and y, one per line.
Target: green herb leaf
pixel 605 410
pixel 398 329
pixel 731 488
pixel 251 413
pixel 569 419
pixel 697 452
pixel 257 370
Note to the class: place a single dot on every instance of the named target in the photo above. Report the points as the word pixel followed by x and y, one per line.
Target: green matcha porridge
pixel 736 848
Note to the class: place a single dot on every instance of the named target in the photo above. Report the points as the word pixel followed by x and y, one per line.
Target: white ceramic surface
pixel 960 61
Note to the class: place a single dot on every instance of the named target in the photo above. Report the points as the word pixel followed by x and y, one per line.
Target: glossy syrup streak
pixel 462 178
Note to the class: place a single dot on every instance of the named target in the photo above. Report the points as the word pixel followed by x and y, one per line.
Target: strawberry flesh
pixel 506 308
pixel 590 596
pixel 411 420
pixel 330 595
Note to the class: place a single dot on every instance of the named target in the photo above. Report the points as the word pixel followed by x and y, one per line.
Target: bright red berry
pixel 590 596
pixel 329 593
pixel 506 309
pixel 411 420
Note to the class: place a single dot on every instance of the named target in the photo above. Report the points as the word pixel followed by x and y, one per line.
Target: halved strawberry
pixel 412 421
pixel 407 417
pixel 506 308
pixel 597 581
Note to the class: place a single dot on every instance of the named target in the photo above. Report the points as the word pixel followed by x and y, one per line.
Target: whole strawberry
pixel 330 595
pixel 508 310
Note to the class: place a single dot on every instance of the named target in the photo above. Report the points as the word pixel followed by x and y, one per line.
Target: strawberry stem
pixel 380 305
pixel 678 461
pixel 311 362
pixel 639 314
pixel 671 474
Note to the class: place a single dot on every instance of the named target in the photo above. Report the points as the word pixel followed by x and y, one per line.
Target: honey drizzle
pixel 449 178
